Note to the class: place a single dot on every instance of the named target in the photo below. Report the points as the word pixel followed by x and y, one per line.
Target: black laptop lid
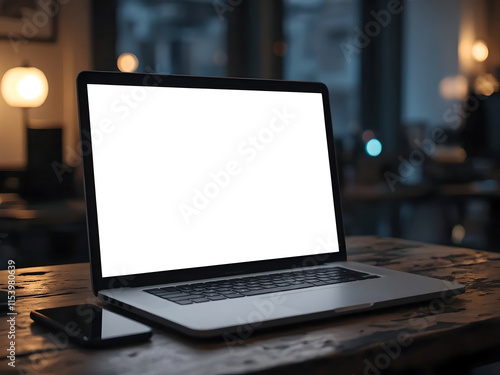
pixel 195 177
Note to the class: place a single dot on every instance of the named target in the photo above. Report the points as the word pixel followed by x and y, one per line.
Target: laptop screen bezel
pixel 137 79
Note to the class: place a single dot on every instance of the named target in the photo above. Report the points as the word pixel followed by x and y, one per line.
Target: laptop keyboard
pixel 255 285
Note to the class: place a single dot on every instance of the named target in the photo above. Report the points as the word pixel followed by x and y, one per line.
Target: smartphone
pixel 92 326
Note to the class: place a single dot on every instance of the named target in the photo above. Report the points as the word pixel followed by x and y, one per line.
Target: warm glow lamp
pixel 480 51
pixel 127 62
pixel 24 87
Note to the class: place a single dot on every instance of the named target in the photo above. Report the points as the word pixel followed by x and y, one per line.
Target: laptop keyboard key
pixel 216 298
pixel 241 290
pixel 278 289
pixel 222 289
pixel 173 295
pixel 174 299
pixel 154 291
pixel 282 284
pixel 319 283
pixel 233 295
pixel 184 302
pixel 198 300
pixel 211 294
pixel 169 289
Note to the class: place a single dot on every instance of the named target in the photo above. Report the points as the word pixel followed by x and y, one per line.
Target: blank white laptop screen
pixel 188 177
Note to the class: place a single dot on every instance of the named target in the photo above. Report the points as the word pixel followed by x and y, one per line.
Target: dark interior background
pixel 403 76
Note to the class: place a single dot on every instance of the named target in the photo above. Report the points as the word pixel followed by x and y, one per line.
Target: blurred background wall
pixel 414 98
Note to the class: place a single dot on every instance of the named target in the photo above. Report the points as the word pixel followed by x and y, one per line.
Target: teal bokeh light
pixel 373 147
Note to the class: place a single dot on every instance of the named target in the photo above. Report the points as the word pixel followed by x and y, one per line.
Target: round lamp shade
pixel 127 62
pixel 24 87
pixel 480 51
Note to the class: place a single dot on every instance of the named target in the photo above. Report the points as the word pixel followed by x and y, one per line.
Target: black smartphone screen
pixel 91 325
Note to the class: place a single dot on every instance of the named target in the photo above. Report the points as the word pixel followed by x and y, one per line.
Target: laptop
pixel 213 205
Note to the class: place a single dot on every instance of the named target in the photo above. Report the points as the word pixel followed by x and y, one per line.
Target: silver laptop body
pixel 195 183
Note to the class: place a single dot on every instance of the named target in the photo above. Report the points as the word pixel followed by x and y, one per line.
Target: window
pixel 176 37
pixel 315 32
